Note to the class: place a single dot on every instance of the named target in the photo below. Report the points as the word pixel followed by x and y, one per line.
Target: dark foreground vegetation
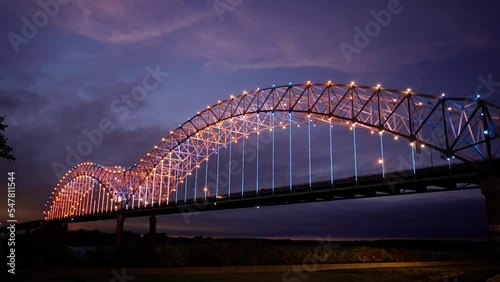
pixel 94 249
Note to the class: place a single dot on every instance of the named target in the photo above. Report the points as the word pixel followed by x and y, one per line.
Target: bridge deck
pixel 441 178
pixel 425 180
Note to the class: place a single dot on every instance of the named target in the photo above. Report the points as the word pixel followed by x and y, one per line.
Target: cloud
pixel 127 22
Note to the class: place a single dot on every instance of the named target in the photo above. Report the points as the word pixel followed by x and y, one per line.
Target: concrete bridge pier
pixel 152 230
pixel 490 188
pixel 120 219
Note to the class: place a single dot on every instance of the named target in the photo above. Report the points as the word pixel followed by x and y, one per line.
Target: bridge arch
pixel 457 127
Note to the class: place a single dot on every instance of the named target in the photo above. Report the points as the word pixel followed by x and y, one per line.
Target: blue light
pixel 486 132
pixel 478 96
pixel 274 86
pixel 289 83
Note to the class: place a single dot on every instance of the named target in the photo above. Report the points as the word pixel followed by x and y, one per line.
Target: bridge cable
pixel 230 158
pixel 205 189
pixel 413 157
pixel 355 152
pixel 290 145
pixel 111 203
pixel 258 139
pixel 169 176
pixel 218 164
pixel 309 144
pixel 188 159
pixel 196 168
pixel 177 180
pixel 102 201
pixel 330 126
pixel 382 153
pixel 161 183
pixel 273 153
pixel 146 190
pixel 92 201
pixel 243 158
pixel 98 197
pixel 154 188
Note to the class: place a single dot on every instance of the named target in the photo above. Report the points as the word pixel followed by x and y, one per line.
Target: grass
pixel 380 275
pixel 427 274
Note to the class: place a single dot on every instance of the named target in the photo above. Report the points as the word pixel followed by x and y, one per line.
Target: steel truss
pixel 462 128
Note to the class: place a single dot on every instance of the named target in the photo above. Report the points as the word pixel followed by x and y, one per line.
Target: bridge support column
pixel 152 230
pixel 120 219
pixel 490 188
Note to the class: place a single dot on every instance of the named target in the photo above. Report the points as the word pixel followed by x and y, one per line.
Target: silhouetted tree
pixel 5 150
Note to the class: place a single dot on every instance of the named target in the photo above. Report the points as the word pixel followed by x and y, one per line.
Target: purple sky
pixel 64 78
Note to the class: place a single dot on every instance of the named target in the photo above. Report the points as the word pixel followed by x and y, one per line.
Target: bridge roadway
pixel 425 180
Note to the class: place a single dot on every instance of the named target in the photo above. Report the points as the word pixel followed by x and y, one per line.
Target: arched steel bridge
pixel 463 129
